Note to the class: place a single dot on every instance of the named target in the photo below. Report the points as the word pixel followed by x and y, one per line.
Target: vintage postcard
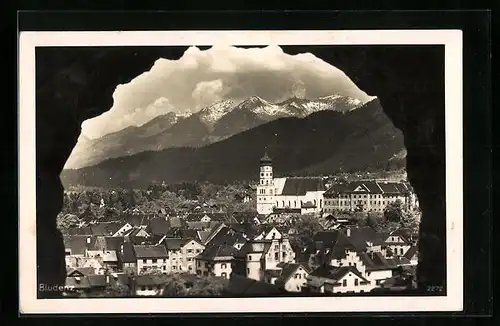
pixel 240 171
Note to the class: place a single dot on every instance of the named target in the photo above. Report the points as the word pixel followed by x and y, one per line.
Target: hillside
pixel 322 143
pixel 211 124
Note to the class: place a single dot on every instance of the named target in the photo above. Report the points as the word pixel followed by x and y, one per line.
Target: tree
pixel 65 221
pixel 410 220
pixel 206 287
pixel 394 211
pixel 175 287
pixel 307 226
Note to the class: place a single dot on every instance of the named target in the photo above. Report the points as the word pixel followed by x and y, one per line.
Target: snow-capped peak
pixel 214 112
pixel 261 107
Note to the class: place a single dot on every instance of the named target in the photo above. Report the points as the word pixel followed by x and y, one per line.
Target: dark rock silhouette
pixel 74 85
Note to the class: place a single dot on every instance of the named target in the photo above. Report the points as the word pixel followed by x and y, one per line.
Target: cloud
pixel 208 92
pixel 199 78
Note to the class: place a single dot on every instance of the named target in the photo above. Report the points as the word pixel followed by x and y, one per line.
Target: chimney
pixel 348 232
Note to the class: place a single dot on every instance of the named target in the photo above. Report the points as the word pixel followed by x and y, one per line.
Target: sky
pixel 200 78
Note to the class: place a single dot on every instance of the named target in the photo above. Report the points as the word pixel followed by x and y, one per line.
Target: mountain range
pixel 211 124
pixel 311 140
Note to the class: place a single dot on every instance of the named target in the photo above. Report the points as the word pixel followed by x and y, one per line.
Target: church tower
pixel 265 195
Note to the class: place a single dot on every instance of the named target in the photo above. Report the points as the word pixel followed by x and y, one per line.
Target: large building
pixel 297 194
pixel 367 196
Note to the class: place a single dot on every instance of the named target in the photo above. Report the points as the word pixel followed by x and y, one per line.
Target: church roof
pixel 265 159
pixel 300 186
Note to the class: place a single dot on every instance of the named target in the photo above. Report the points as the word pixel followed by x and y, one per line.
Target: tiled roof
pixel 288 270
pixel 81 270
pixel 359 236
pixel 300 186
pixel 203 235
pixel 114 243
pixel 242 217
pixel 218 251
pixel 128 253
pixel 375 261
pixel 395 188
pixel 175 243
pixel 149 251
pixel 411 252
pixel 372 187
pixel 404 233
pixel 269 273
pixel 159 226
pixel 106 228
pixel 198 225
pixel 335 273
pixel 79 231
pixel 79 243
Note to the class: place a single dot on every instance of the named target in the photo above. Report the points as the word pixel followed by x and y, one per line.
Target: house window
pixel 144 261
pixel 143 288
pixel 174 267
pixel 344 283
pixel 249 257
pixel 190 259
pixel 223 266
pixel 198 263
pixel 248 271
pixel 164 267
pixel 154 260
pixel 356 281
pixel 223 274
pixel 190 251
pixel 277 247
pixel 276 255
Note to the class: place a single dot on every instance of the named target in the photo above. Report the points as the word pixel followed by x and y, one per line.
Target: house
pixel 158 226
pixel 138 231
pixel 243 197
pixel 181 254
pixel 128 258
pixel 398 243
pixel 151 257
pixel 292 278
pixel 217 260
pixel 149 285
pixel 332 279
pixel 369 195
pixel 110 228
pixel 271 247
pixel 86 283
pixel 412 255
pixel 376 268
pixel 300 193
pixel 247 217
pixel 108 257
pixel 77 245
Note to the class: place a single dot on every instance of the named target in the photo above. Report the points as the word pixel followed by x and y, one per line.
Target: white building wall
pixel 253 266
pixel 297 280
pixel 161 264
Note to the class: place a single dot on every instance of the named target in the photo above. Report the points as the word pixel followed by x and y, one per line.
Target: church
pixel 291 194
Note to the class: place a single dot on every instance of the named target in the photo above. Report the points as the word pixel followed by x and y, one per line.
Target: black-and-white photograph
pixel 242 167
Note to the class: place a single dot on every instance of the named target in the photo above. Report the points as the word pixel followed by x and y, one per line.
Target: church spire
pixel 265 159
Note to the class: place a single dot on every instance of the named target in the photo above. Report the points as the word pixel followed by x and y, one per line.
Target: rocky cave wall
pixel 76 85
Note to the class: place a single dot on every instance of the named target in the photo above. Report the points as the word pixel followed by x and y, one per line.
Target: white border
pixel 452 39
